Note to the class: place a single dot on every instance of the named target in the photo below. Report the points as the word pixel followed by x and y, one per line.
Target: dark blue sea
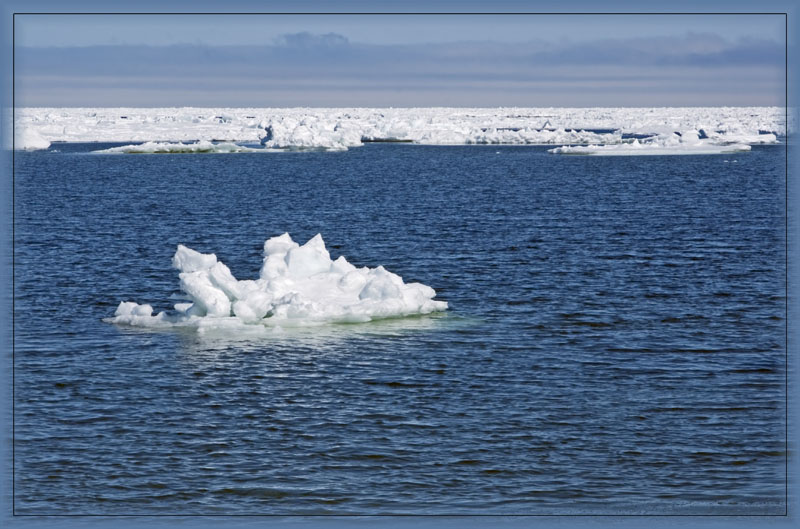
pixel 615 341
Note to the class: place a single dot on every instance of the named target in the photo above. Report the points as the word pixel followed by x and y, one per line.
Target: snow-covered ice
pixel 203 146
pixel 298 286
pixel 686 142
pixel 310 133
pixel 344 128
pixel 29 140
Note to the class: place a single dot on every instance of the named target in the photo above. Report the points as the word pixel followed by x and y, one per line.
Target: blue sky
pixel 407 60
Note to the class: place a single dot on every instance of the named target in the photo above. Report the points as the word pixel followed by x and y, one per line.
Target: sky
pixel 399 60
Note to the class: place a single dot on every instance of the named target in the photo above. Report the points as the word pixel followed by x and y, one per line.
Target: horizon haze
pixel 400 61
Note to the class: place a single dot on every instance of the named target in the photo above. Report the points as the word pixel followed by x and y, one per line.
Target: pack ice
pixel 204 146
pixel 686 142
pixel 29 140
pixel 298 286
pixel 338 129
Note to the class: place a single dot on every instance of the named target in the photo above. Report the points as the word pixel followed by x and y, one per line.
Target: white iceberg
pixel 686 142
pixel 298 286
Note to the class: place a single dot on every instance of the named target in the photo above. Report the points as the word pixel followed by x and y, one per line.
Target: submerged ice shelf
pixel 344 128
pixel 297 286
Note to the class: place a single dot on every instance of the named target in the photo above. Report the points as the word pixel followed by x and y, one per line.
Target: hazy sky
pixel 399 60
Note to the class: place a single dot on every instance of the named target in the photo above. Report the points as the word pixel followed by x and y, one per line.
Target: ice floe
pixel 204 146
pixel 310 133
pixel 29 140
pixel 686 142
pixel 343 128
pixel 298 286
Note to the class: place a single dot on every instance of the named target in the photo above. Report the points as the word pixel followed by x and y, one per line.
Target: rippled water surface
pixel 615 339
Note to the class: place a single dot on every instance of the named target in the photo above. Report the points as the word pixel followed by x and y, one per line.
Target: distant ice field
pixel 711 130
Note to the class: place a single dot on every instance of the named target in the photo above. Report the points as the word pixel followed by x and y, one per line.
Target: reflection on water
pixel 256 337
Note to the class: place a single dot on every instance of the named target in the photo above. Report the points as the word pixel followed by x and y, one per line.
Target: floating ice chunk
pixel 275 250
pixel 201 147
pixel 341 266
pixel 530 136
pixel 309 259
pixel 29 140
pixel 253 307
pixel 279 245
pixel 188 260
pixel 686 142
pixel 298 286
pixel 142 315
pixel 208 299
pixel 310 133
pixel 743 137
